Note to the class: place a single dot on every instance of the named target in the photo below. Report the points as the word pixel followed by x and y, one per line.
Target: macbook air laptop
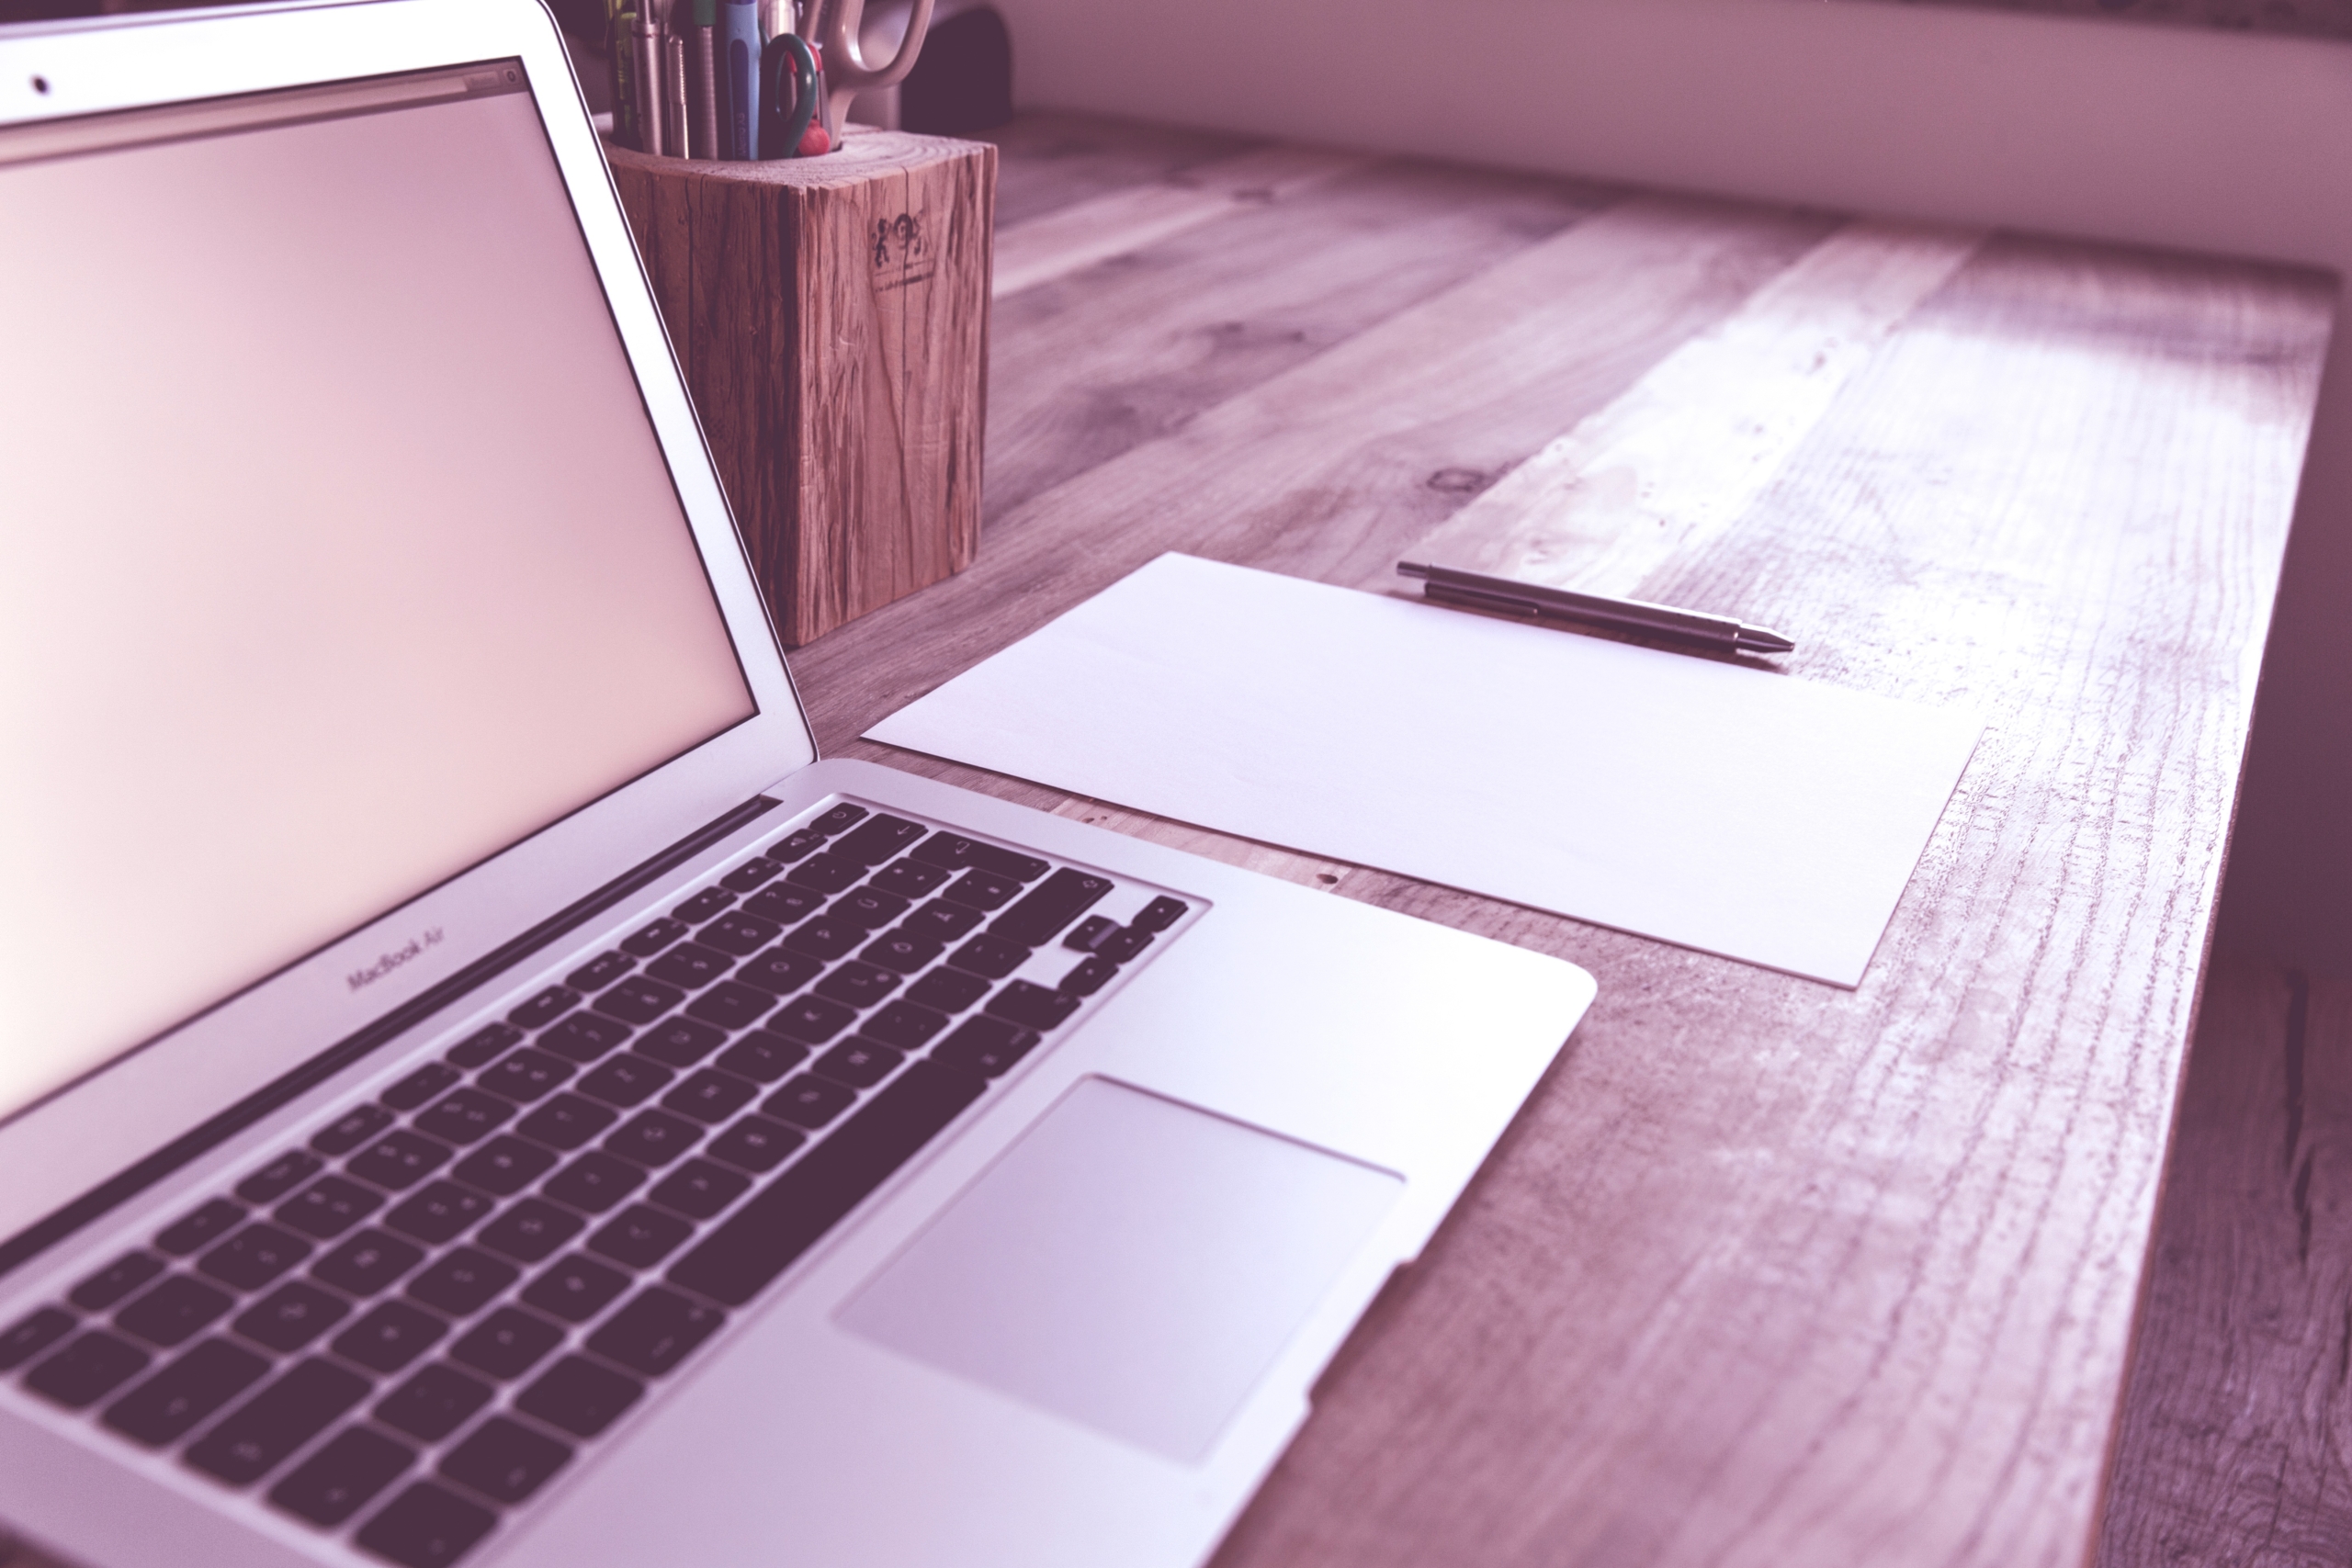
pixel 474 1086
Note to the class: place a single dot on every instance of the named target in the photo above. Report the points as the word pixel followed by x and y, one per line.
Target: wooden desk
pixel 1768 1272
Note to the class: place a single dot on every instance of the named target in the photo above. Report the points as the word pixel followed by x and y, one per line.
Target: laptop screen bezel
pixel 69 1142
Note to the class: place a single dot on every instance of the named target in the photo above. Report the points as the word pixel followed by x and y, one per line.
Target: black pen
pixel 1471 591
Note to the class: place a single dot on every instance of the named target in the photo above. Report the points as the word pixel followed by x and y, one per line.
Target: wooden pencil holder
pixel 832 315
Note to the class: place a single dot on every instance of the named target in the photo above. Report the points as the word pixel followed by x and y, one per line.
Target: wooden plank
pixel 1118 222
pixel 1103 362
pixel 2235 1428
pixel 1052 161
pixel 1338 462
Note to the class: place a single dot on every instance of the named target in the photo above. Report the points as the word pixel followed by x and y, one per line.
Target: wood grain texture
pixel 1768 1272
pixel 2235 1426
pixel 831 318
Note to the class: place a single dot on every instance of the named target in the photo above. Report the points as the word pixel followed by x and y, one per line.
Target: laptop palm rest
pixel 1130 1263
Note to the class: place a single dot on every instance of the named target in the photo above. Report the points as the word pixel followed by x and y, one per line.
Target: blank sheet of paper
pixel 1737 811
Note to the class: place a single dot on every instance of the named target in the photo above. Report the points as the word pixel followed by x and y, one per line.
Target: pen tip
pixel 1756 639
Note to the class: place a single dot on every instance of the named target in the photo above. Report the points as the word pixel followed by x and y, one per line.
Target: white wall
pixel 2103 129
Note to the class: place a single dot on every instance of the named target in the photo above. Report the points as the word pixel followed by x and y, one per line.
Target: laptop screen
pixel 334 557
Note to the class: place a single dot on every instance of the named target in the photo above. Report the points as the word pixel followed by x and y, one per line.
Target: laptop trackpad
pixel 1130 1263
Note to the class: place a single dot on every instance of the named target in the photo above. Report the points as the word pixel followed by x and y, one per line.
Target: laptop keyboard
pixel 407 1323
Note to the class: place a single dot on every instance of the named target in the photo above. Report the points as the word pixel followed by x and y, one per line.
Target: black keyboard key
pixel 648 941
pixel 566 1121
pixel 353 1128
pixel 504 1167
pixel 525 1076
pixel 990 955
pixel 507 1343
pixel 739 935
pixel 1087 977
pixel 465 1117
pixel 877 840
pixel 276 1421
pixel 639 1237
pixel 940 921
pixel 730 1005
pixel 699 1189
pixel 391 1336
pixel 578 1397
pixel 367 1262
pixel 903 1024
pixel 827 873
pixel 291 1316
pixel 902 951
pixel 680 1041
pixel 483 1045
pixel 811 1019
pixel 600 971
pixel 655 1331
pixel 628 1079
pixel 336 1482
pixel 808 1101
pixel 584 1036
pixel 1159 913
pixel 206 1226
pixel 691 965
pixel 785 904
pixel 955 853
pixel 1045 909
pixel 171 1312
pixel 980 890
pixel 1085 936
pixel 639 1001
pixel 1034 1007
pixel 762 1056
pixel 167 1406
pixel 709 1097
pixel 985 1045
pixel 420 1086
pixel 116 1280
pixel 425 1527
pixel 870 906
pixel 595 1182
pixel 861 1063
pixel 530 1230
pixel 796 846
pixel 948 990
pixel 908 879
pixel 1121 945
pixel 279 1176
pixel 754 873
pixel 463 1282
pixel 857 985
pixel 544 1008
pixel 504 1461
pixel 32 1334
pixel 703 906
pixel 824 937
pixel 575 1289
pixel 438 1212
pixel 434 1404
pixel 783 1220
pixel 755 1144
pixel 328 1207
pixel 651 1137
pixel 834 821
pixel 254 1257
pixel 88 1370
pixel 399 1160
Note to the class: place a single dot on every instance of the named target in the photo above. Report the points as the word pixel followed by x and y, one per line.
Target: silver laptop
pixel 474 1087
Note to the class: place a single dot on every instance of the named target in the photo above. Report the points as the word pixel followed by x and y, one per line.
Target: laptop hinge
pixel 120 1187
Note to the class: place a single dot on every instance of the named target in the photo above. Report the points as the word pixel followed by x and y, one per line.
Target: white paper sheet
pixel 1745 813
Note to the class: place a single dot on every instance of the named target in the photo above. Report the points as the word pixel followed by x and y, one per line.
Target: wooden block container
pixel 832 315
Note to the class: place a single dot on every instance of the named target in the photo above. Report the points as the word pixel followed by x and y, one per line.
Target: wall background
pixel 2234 139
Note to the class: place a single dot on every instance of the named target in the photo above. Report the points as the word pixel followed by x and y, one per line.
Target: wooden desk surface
pixel 1767 1272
